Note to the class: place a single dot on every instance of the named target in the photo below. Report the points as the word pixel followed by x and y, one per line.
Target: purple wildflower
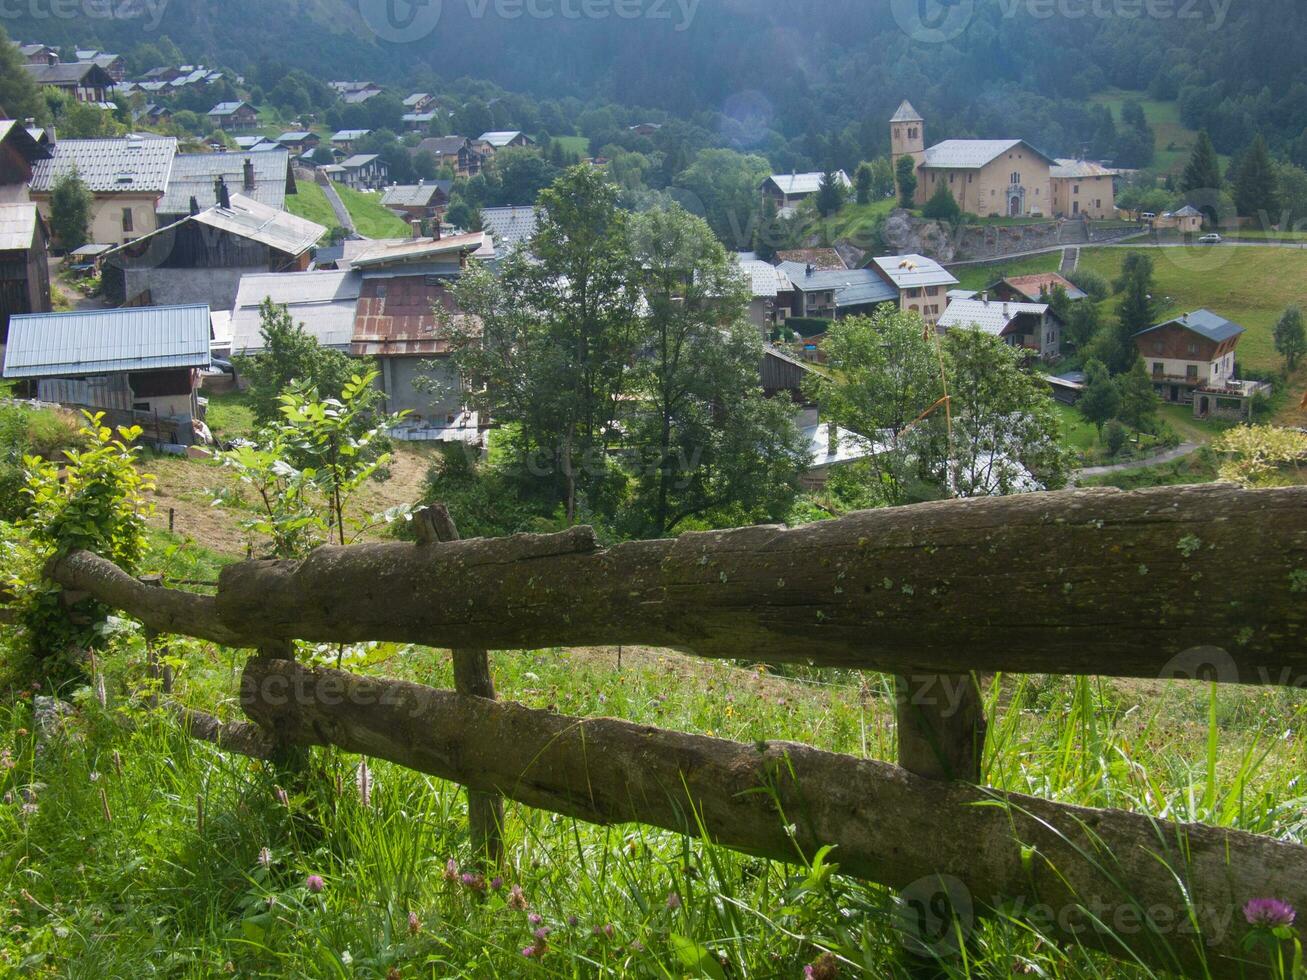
pixel 637 946
pixel 474 883
pixel 516 898
pixel 673 901
pixel 451 871
pixel 528 951
pixel 497 883
pixel 280 795
pixel 573 922
pixel 543 933
pixel 414 924
pixel 824 967
pixel 315 884
pixel 535 918
pixel 1269 913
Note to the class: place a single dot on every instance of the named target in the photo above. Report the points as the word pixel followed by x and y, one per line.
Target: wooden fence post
pixel 941 730
pixel 485 811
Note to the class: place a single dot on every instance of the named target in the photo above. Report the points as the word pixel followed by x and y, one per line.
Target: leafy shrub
pixel 1116 434
pixel 1092 283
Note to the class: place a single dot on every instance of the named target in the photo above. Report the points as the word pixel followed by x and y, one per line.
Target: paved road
pixel 1170 456
pixel 1132 243
pixel 337 205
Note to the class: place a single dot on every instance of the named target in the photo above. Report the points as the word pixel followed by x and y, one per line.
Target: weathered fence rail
pixel 1091 583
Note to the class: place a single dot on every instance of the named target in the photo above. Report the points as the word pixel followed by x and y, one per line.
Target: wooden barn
pixel 24 268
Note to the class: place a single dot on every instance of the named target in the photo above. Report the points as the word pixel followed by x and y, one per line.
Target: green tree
pixel 704 439
pixel 1291 337
pixel 942 206
pixel 831 195
pixel 1004 436
pixel 1083 322
pixel 882 184
pixel 19 95
pixel 1255 190
pixel 290 357
pixel 726 185
pixel 863 182
pixel 905 172
pixel 1116 436
pixel 1203 171
pixel 1138 401
pixel 1101 399
pixel 881 382
pixel 71 203
pixel 1136 311
pixel 554 360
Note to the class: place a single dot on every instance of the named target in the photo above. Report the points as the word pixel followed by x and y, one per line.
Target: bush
pixel 806 326
pixel 1116 434
pixel 1092 283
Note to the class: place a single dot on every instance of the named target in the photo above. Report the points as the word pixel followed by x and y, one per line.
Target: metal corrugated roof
pixel 87 342
pixel 914 271
pixel 195 174
pixel 17 227
pixel 991 317
pixel 972 154
pixel 126 165
pixel 324 302
pixel 349 135
pixel 416 250
pixel 248 219
pixel 509 227
pixel 791 184
pixel 358 160
pixel 765 280
pixel 416 98
pixel 501 138
pixel 226 108
pixel 852 287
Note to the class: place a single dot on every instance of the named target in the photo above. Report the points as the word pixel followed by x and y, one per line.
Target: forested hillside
pixel 772 73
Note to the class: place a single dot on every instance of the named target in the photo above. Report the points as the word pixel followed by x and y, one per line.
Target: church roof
pixel 973 154
pixel 906 114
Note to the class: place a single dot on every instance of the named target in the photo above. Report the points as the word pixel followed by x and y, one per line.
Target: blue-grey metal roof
pixel 86 342
pixel 1205 323
pixel 195 175
pixel 852 287
pixel 127 165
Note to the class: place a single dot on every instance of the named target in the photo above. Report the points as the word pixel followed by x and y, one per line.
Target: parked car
pixel 1212 239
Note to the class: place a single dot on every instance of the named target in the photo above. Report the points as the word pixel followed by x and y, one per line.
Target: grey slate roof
pixel 414 195
pixel 68 74
pixel 765 280
pixel 349 135
pixel 852 287
pixel 1205 323
pixel 509 227
pixel 225 108
pixel 914 271
pixel 131 164
pixel 194 174
pixel 906 113
pixel 18 223
pixel 973 154
pixel 358 160
pixel 323 302
pixel 51 345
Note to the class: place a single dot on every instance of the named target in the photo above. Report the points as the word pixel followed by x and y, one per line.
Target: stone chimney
pixel 249 174
pixel 984 296
pixel 416 225
pixel 221 193
pixel 195 206
pixel 435 228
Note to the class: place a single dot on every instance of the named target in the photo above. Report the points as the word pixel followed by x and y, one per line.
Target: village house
pixel 1191 360
pixel 233 117
pixel 1187 221
pixel 322 302
pixel 646 129
pixel 24 266
pixel 19 153
pixel 419 102
pixel 503 140
pixel 114 64
pixel 922 284
pixel 835 293
pixel 153 114
pixel 202 258
pixel 771 292
pixel 345 139
pixel 1007 177
pixel 787 191
pixel 127 177
pixel 84 82
pixel 140 366
pixel 1035 288
pixel 417 122
pixel 422 201
pixel 453 151
pixel 299 141
pixel 39 54
pixel 253 143
pixel 364 171
pixel 1033 327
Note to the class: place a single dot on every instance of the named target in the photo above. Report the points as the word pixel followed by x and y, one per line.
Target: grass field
pixel 1251 286
pixel 575 144
pixel 370 218
pixel 982 276
pixel 1175 142
pixel 310 202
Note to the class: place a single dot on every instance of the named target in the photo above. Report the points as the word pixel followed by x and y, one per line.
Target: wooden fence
pixel 1161 583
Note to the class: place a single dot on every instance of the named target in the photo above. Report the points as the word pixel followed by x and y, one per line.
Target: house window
pixel 127 220
pixel 969 176
pixel 950 177
pixel 1075 188
pixel 1158 369
pixel 1193 348
pixel 1191 372
pixel 932 290
pixel 1016 177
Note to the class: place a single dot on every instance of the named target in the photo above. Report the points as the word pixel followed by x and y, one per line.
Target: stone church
pixel 1002 178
